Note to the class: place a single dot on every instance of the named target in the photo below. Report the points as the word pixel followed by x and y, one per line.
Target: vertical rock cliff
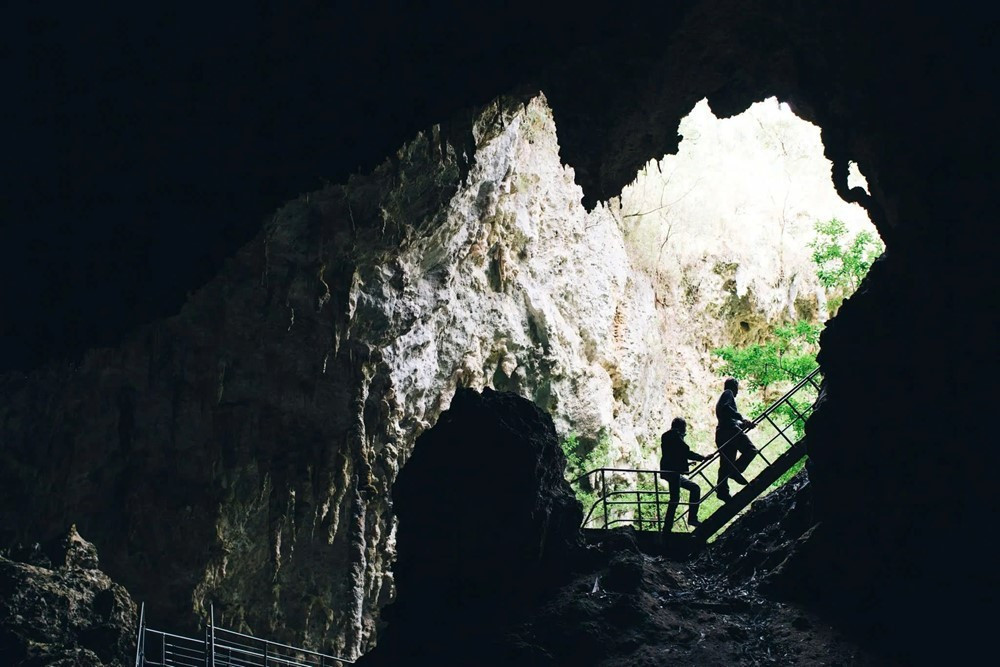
pixel 242 452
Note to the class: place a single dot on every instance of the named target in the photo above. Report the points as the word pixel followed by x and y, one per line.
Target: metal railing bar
pixel 186 655
pixel 235 661
pixel 177 658
pixel 271 657
pixel 229 661
pixel 791 406
pixel 608 497
pixel 781 432
pixel 270 660
pixel 247 655
pixel 638 502
pixel 656 488
pixel 787 394
pixel 187 649
pixel 167 634
pixel 180 651
pixel 173 650
pixel 287 660
pixel 604 490
pixel 184 663
pixel 275 644
pixel 172 656
pixel 230 642
pixel 140 640
pixel 699 472
pixel 247 652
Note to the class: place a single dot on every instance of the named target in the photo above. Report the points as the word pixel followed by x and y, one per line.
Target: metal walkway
pixel 221 648
pixel 624 496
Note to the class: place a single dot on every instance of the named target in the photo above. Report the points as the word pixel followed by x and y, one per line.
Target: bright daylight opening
pixel 750 251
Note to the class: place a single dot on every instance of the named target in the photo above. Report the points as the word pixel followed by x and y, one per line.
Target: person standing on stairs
pixel 674 457
pixel 730 438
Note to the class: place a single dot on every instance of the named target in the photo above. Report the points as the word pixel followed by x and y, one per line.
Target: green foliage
pixel 788 355
pixel 584 455
pixel 789 350
pixel 842 263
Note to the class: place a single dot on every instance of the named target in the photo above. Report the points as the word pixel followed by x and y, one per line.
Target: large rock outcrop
pixel 58 608
pixel 241 452
pixel 487 527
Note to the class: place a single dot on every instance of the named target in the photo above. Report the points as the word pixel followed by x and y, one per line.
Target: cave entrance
pixel 748 250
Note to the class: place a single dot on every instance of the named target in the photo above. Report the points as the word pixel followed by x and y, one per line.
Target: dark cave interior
pixel 901 425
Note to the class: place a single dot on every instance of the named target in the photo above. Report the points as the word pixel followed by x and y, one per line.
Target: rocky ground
pixel 634 608
pixel 524 589
pixel 647 610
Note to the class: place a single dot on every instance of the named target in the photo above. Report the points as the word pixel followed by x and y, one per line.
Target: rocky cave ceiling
pixel 884 89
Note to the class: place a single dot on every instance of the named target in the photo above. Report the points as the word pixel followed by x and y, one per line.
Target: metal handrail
pixel 698 470
pixel 141 636
pixel 717 453
pixel 276 644
pixel 219 645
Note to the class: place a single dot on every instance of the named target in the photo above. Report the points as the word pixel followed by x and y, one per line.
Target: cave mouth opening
pixel 749 251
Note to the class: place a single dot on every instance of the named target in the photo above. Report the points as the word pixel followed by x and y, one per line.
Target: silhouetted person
pixel 730 439
pixel 674 458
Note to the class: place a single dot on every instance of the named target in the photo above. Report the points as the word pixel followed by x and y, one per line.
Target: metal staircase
pixel 221 648
pixel 624 496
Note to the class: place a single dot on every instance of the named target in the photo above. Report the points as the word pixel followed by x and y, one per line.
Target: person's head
pixel 679 425
pixel 732 385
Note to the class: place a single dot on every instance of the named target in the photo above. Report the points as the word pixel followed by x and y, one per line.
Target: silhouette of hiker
pixel 674 458
pixel 730 439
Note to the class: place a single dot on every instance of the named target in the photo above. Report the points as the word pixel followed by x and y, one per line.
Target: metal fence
pixel 631 496
pixel 221 648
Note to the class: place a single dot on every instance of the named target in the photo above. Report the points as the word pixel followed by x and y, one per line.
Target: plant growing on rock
pixel 841 263
pixel 787 356
pixel 584 455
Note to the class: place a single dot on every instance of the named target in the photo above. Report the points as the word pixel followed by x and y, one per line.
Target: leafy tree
pixel 789 352
pixel 842 263
pixel 789 355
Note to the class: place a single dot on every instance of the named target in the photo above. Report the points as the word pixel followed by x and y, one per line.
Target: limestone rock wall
pixel 242 452
pixel 720 231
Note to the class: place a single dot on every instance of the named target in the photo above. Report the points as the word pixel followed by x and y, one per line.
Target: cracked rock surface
pixel 58 608
pixel 241 453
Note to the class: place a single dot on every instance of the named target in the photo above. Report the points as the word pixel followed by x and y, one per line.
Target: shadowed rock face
pixel 478 543
pixel 58 608
pixel 260 409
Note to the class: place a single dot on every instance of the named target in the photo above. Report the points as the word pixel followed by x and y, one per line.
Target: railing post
pixel 140 640
pixel 211 627
pixel 604 497
pixel 638 499
pixel 780 431
pixel 265 655
pixel 656 494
